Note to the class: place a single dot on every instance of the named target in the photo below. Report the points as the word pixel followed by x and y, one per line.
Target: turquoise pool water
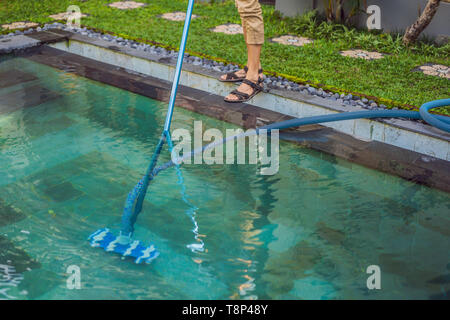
pixel 71 149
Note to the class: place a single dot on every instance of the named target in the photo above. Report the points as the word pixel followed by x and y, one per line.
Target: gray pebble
pixel 311 90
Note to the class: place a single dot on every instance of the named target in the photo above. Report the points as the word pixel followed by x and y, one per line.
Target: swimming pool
pixel 71 149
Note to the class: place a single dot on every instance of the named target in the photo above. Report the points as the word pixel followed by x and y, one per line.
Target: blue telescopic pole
pixel 135 199
pixel 176 78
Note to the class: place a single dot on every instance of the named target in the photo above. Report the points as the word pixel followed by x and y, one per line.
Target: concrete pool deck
pixel 410 149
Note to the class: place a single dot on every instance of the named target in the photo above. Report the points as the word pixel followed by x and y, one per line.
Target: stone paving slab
pixel 19 25
pixel 292 40
pixel 50 36
pixel 434 69
pixel 16 43
pixel 20 42
pixel 362 54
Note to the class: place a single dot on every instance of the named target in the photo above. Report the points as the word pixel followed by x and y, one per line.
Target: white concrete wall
pixel 396 15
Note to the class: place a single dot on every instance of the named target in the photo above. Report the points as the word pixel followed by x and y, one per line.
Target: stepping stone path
pixel 67 15
pixel 363 54
pixel 19 25
pixel 126 5
pixel 292 40
pixel 437 70
pixel 176 16
pixel 229 28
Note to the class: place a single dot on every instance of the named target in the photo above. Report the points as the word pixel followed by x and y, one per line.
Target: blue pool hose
pixel 134 201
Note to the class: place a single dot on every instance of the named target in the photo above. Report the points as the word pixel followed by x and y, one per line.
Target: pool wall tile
pixel 430 146
pixel 397 138
pixel 347 126
pixel 363 130
pixel 377 130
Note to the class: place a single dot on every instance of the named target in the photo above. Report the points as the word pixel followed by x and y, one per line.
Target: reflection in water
pixel 192 210
pixel 254 233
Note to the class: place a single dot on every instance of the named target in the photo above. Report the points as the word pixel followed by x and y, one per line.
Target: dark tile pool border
pixel 387 158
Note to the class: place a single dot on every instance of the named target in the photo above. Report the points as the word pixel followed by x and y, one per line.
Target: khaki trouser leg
pixel 252 20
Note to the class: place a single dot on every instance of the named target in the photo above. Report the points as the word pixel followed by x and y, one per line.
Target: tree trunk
pixel 340 11
pixel 413 32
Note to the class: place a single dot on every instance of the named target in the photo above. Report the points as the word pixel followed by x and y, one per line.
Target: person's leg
pixel 241 72
pixel 253 61
pixel 253 26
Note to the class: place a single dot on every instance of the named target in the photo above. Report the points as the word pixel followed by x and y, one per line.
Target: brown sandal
pixel 242 96
pixel 233 77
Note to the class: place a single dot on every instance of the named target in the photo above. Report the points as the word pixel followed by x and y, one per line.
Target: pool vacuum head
pixel 123 245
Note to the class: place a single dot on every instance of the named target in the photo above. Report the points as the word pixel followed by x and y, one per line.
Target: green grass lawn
pixel 389 79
